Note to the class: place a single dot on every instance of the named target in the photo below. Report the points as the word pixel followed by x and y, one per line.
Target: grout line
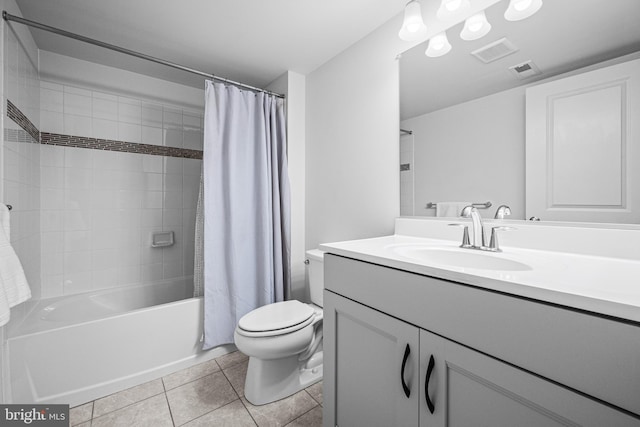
pixel 122 407
pixel 307 390
pixel 192 380
pixel 228 380
pixel 302 415
pixel 166 398
pixel 250 414
pixel 213 410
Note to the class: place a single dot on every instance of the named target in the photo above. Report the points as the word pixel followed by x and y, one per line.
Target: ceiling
pixel 562 36
pixel 250 41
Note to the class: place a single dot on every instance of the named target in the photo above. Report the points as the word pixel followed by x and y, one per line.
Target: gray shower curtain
pixel 246 207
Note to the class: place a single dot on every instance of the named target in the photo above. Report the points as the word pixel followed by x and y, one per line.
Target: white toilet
pixel 284 342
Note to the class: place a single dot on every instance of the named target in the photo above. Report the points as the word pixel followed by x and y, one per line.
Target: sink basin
pixel 459 257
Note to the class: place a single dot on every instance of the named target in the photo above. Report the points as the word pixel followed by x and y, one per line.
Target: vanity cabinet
pixel 375 356
pixel 371 379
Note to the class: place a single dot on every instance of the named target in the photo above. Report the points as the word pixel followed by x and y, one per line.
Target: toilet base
pixel 271 380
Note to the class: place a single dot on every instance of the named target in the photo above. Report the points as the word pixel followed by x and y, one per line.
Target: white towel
pixel 14 288
pixel 450 209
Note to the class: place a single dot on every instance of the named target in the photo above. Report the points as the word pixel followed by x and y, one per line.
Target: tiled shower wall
pixel 82 218
pixel 100 208
pixel 21 155
pixel 20 160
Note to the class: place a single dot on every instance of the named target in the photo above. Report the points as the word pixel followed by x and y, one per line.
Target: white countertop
pixel 608 286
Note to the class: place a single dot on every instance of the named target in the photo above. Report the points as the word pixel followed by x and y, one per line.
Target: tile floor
pixel 209 394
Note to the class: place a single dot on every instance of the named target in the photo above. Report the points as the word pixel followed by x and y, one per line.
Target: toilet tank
pixel 316 275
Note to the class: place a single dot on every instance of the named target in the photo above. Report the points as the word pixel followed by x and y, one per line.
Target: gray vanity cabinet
pixel 468 388
pixel 369 349
pixel 372 380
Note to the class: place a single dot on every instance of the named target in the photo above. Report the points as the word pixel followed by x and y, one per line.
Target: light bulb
pixel 521 9
pixel 474 24
pixel 453 5
pixel 521 5
pixel 475 27
pixel 413 27
pixel 438 45
pixel 449 9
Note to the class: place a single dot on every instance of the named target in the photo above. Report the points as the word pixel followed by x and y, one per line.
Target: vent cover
pixel 496 50
pixel 525 70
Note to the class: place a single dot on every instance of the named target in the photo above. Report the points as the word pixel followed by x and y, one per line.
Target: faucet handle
pixel 494 246
pixel 502 211
pixel 466 211
pixel 466 243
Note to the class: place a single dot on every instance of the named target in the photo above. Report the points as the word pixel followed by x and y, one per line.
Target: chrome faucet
pixel 477 231
pixel 477 228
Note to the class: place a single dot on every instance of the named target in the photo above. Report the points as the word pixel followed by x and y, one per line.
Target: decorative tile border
pixel 85 142
pixel 111 145
pixel 18 135
pixel 21 120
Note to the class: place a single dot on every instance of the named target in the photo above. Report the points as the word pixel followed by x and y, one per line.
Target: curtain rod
pixel 8 17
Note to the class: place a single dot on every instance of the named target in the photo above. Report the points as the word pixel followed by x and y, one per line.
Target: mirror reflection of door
pixel 582 146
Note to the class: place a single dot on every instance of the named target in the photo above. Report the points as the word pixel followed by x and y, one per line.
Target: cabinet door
pixel 583 147
pixel 470 389
pixel 369 359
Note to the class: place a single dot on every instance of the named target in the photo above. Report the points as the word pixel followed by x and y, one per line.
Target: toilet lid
pixel 275 316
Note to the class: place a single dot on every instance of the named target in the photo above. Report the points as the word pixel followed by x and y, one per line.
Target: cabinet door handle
pixel 430 404
pixel 407 392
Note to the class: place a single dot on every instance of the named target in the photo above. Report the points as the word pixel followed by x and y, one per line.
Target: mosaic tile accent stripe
pixel 18 135
pixel 21 120
pixel 111 145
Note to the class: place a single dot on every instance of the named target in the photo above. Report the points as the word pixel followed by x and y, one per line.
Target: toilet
pixel 284 342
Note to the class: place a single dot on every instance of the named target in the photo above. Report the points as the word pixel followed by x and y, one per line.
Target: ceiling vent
pixel 494 51
pixel 525 70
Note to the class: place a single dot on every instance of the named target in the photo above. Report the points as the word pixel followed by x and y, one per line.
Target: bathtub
pixel 78 348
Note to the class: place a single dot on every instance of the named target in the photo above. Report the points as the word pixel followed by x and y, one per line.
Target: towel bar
pixel 485 205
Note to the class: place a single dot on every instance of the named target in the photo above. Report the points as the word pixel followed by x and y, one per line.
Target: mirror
pixel 467 118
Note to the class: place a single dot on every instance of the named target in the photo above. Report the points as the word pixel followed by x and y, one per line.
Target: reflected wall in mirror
pixel 467 118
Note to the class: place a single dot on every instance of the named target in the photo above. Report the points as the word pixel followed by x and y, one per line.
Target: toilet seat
pixel 276 319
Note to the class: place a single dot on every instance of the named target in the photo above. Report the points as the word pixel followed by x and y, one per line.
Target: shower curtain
pixel 246 207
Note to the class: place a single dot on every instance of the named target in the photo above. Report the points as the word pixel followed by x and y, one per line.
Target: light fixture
pixel 438 45
pixel 521 9
pixel 475 26
pixel 449 9
pixel 413 27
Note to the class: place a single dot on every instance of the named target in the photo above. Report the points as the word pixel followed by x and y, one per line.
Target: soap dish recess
pixel 162 239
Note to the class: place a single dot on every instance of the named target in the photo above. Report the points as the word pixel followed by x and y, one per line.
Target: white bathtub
pixel 78 348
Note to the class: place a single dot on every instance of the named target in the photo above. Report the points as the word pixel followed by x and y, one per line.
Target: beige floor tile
pixel 150 412
pixel 281 412
pixel 85 424
pixel 230 359
pixel 192 373
pixel 198 397
pixel 236 376
pixel 316 392
pixel 232 415
pixel 313 418
pixel 127 397
pixel 80 414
